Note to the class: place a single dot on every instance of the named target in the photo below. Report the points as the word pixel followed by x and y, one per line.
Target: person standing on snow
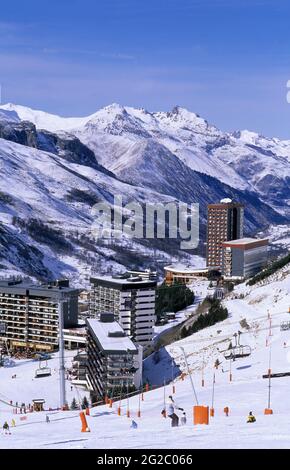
pixel 171 405
pixel 6 428
pixel 47 419
pixel 183 419
pixel 251 418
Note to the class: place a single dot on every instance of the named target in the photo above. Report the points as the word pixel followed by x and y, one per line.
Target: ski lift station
pixel 38 404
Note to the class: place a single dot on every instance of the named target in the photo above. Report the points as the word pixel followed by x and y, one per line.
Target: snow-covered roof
pixel 101 331
pixel 183 268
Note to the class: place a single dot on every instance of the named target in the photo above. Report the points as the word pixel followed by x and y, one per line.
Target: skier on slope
pixel 133 425
pixel 251 418
pixel 172 406
pixel 6 428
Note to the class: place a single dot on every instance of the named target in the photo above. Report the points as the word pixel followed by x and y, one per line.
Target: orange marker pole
pixel 268 410
pixel 164 399
pixel 120 400
pixel 202 372
pixel 139 406
pixel 212 396
pixel 85 427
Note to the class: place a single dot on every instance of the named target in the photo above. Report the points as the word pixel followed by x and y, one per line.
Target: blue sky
pixel 228 60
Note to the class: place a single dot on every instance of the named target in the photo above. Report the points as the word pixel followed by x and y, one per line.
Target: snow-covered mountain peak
pixel 115 108
pixel 249 137
pixel 177 118
pixel 43 120
pixel 106 115
pixel 115 134
pixel 183 113
pixel 181 119
pixel 116 120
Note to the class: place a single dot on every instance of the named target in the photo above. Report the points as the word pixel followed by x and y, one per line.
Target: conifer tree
pixel 74 405
pixel 85 403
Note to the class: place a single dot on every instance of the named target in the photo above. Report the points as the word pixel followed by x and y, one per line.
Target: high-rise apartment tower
pixel 131 300
pixel 224 223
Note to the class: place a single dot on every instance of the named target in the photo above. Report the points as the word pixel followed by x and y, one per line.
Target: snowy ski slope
pixel 248 391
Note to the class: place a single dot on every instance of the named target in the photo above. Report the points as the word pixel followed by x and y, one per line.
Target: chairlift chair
pixel 42 371
pixel 238 352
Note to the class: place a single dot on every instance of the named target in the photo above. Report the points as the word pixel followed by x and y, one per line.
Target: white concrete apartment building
pixel 131 300
pixel 114 362
pixel 244 257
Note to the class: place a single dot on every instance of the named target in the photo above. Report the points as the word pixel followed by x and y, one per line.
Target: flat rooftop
pixel 225 205
pixel 110 344
pixel 123 283
pixel 44 290
pixel 246 242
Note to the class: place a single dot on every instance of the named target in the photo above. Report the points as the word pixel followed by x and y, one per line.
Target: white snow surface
pixel 248 391
pixel 43 120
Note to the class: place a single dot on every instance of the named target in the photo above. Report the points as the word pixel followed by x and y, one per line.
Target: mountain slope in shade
pixel 54 172
pixel 46 218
